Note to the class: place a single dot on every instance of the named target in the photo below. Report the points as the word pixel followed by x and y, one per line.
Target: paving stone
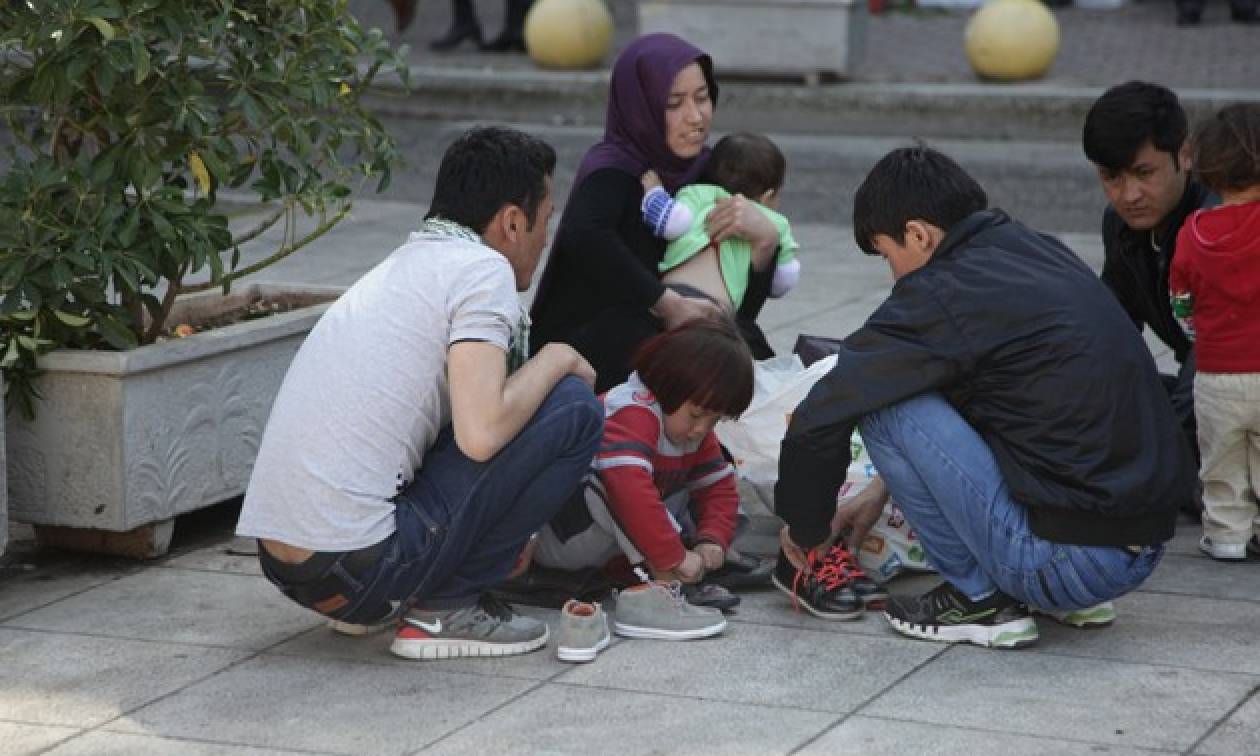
pixel 216 559
pixel 16 738
pixel 324 705
pixel 1237 735
pixel 1200 575
pixel 1159 628
pixel 760 665
pixel 181 606
pixel 1118 703
pixel 324 643
pixel 558 719
pixel 81 681
pixel 770 606
pixel 22 590
pixel 870 736
pixel 103 743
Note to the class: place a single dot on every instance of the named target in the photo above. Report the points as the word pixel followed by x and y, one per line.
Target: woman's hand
pixel 675 309
pixel 650 181
pixel 737 216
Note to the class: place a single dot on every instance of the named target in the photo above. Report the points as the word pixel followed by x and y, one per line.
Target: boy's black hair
pixel 1227 149
pixel 487 168
pixel 1126 116
pixel 747 164
pixel 913 183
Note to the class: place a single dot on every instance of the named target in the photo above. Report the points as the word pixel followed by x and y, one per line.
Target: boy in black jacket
pixel 1012 410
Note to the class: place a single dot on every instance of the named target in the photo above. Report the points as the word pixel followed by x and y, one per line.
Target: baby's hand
pixel 650 181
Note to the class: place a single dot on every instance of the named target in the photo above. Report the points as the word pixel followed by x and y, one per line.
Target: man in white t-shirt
pixel 412 450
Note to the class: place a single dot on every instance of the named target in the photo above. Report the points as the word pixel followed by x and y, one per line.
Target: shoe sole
pixel 853 615
pixel 455 648
pixel 1082 621
pixel 1224 557
pixel 353 630
pixel 1019 633
pixel 578 655
pixel 660 633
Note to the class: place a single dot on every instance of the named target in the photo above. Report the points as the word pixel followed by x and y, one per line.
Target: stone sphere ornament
pixel 568 33
pixel 1012 40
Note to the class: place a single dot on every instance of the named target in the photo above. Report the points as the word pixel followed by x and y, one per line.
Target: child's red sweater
pixel 1218 264
pixel 640 468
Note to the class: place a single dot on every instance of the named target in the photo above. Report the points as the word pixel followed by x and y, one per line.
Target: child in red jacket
pixel 661 494
pixel 1215 285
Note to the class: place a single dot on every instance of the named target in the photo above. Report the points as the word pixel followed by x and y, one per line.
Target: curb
pixel 1035 111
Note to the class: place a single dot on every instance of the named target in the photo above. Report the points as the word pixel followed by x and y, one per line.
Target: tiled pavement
pixel 197 653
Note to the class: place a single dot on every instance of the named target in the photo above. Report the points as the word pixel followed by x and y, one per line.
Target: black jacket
pixel 1138 275
pixel 1019 335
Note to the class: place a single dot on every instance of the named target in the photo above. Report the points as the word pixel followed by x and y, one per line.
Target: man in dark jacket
pixel 1135 135
pixel 1010 407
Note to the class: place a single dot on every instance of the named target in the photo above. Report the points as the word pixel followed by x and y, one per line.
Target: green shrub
pixel 128 117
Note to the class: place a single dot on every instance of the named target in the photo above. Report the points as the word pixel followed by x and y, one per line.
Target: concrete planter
pixel 126 440
pixel 766 37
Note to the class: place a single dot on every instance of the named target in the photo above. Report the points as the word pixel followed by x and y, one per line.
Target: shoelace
pixel 832 570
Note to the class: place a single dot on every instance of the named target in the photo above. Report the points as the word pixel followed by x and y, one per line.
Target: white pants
pixel 1227 406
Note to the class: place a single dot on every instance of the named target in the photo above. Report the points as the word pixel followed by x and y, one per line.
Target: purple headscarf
pixel 634 128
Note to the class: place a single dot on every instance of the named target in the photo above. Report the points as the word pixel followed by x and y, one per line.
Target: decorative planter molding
pixel 766 37
pixel 123 440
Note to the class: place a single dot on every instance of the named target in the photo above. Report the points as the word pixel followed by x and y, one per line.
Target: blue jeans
pixel 948 485
pixel 462 524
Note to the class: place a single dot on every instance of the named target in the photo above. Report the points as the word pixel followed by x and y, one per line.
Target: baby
pixel 746 164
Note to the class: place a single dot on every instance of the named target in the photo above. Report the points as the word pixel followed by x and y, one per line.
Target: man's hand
pixel 795 554
pixel 858 515
pixel 714 556
pixel 574 363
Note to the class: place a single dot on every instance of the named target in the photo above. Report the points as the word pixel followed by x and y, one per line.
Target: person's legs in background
pixel 464 26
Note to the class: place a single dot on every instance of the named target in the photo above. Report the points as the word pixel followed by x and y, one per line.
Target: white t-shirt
pixel 367 393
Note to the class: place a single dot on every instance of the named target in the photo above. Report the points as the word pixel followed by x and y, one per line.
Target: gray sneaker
pixel 488 628
pixel 658 610
pixel 583 632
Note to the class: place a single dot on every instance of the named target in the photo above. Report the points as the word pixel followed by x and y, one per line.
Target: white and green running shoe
pixel 1098 615
pixel 946 615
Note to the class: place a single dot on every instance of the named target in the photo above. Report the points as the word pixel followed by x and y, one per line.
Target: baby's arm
pixel 668 219
pixel 786 276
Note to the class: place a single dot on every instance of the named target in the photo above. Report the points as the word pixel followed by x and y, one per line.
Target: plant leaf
pixel 199 171
pixel 103 26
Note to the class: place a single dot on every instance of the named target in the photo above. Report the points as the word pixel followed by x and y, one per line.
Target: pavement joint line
pixel 874 697
pixel 990 731
pixel 23 612
pixel 434 665
pixel 539 685
pixel 1225 718
pixel 1184 594
pixel 100 727
pixel 184 739
pixel 105 636
pixel 682 697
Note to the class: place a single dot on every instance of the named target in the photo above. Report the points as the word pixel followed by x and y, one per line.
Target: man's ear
pixel 1185 155
pixel 919 237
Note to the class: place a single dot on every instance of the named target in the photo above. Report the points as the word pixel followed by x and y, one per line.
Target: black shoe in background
pixel 945 614
pixel 741 571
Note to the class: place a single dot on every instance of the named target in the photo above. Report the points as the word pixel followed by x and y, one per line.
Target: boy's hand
pixel 714 556
pixel 691 569
pixel 795 554
pixel 858 515
pixel 650 181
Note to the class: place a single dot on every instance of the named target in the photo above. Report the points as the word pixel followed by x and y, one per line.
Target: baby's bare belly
pixel 704 273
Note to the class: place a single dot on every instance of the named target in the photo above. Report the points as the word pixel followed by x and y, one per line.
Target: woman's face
pixel 688 112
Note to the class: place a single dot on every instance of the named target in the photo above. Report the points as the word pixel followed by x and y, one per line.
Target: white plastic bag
pixel 891 546
pixel 779 384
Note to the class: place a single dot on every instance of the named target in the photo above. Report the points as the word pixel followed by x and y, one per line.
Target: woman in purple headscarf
pixel 601 291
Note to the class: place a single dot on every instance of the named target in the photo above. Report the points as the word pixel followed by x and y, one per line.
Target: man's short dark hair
pixel 1227 149
pixel 747 164
pixel 913 183
pixel 487 168
pixel 1126 116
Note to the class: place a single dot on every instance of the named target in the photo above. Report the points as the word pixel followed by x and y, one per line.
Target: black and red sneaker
pixel 873 594
pixel 835 587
